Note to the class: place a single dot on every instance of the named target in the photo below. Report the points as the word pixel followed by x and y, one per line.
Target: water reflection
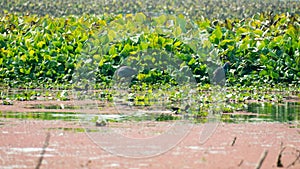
pixel 64 116
pixel 252 112
pixel 271 112
pixel 288 111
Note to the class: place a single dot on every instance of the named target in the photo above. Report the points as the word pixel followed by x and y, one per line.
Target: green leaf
pixel 291 31
pixel 216 35
pixel 177 31
pixel 263 58
pixel 226 41
pixel 97 57
pixel 112 50
pixel 41 44
pixel 70 48
pixel 263 73
pixel 241 30
pixel 218 32
pixel 258 32
pixel 111 35
pixel 161 40
pixel 160 20
pixel 143 46
pixel 192 61
pixel 24 58
pixel 181 22
pixel 176 44
pixel 31 52
pixel 169 42
pixel 274 75
pixel 140 17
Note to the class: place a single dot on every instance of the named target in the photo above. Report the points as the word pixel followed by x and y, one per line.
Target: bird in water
pixel 219 74
pixel 125 73
pixel 178 110
pixel 101 123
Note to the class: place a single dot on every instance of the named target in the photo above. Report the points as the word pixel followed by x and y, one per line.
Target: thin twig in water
pixel 46 143
pixel 233 142
pixel 279 162
pixel 262 159
pixel 241 162
pixel 294 162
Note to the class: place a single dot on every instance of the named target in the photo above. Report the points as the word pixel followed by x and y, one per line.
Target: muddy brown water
pixel 51 135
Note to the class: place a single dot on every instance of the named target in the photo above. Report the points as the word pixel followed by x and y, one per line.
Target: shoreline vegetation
pixel 72 44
